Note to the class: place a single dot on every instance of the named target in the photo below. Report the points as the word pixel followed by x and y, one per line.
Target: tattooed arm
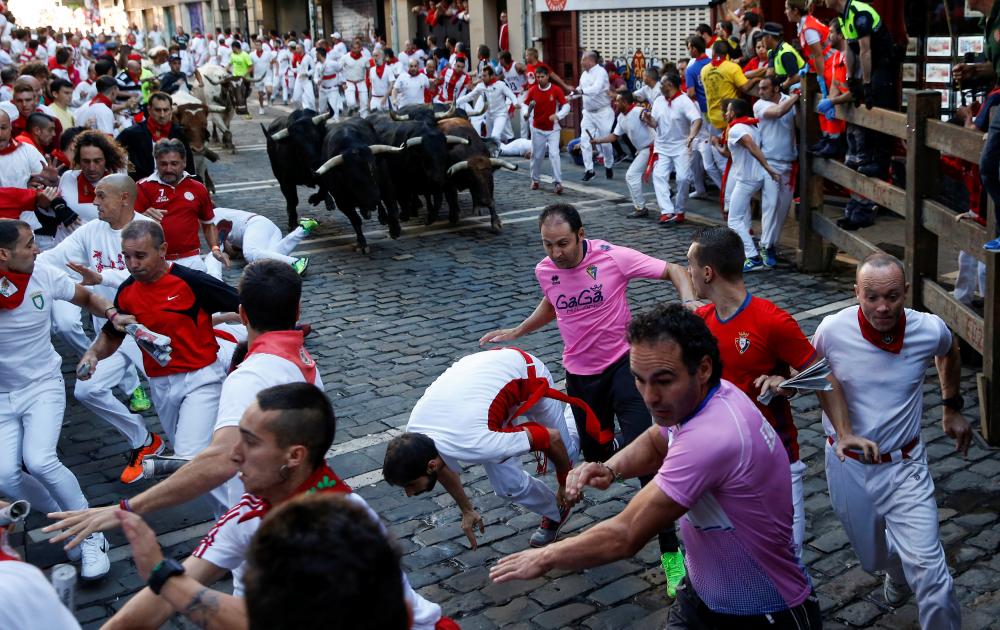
pixel 204 607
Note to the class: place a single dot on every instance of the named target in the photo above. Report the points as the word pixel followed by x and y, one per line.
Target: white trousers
pixel 378 104
pixel 697 168
pixel 739 211
pixel 187 404
pixel 776 200
pixel 331 99
pixel 597 123
pixel 891 518
pixel 542 143
pixel 499 128
pixel 193 262
pixel 30 422
pixel 633 177
pixel 96 392
pixel 971 273
pixel 713 161
pixel 356 96
pixel 262 240
pixel 798 470
pixel 304 94
pixel 666 164
pixel 508 477
pixel 524 124
pixel 518 147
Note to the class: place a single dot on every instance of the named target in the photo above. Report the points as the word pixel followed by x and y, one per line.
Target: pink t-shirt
pixel 728 467
pixel 591 306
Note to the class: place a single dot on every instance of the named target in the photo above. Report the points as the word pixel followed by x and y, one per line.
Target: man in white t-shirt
pixel 381 77
pixel 355 69
pixel 329 81
pixel 283 436
pixel 631 125
pixel 741 143
pixel 500 104
pixel 32 391
pixel 776 113
pixel 410 87
pixel 677 122
pixel 598 117
pixel 263 74
pixel 97 114
pixel 880 352
pixel 489 408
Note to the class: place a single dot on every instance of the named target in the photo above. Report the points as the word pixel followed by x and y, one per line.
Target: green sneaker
pixel 308 225
pixel 300 265
pixel 673 568
pixel 139 401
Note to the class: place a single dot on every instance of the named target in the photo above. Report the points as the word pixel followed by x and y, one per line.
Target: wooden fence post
pixel 811 249
pixel 921 183
pixel 989 402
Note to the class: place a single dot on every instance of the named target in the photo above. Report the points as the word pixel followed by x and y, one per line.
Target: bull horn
pixel 384 148
pixel 332 163
pixel 216 109
pixel 457 166
pixel 262 128
pixel 210 79
pixel 320 118
pixel 260 79
pixel 447 114
pixel 480 112
pixel 456 140
pixel 413 142
pixel 397 117
pixel 503 164
pixel 280 135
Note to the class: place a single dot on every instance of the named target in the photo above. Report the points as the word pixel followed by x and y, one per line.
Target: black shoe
pixel 830 149
pixel 871 169
pixel 638 213
pixel 609 173
pixel 847 224
pixel 864 216
pixel 589 175
pixel 821 145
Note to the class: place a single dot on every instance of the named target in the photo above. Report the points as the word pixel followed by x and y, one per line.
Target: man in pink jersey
pixel 725 478
pixel 584 282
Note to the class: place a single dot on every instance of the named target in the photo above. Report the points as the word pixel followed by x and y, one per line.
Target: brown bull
pixel 194 120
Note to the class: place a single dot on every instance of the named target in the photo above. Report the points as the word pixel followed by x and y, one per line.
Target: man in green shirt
pixel 239 62
pixel 987 73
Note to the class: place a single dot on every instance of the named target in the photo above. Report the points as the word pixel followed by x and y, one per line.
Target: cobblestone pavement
pixel 387 324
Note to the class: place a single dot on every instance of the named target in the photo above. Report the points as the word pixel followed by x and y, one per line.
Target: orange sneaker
pixel 133 470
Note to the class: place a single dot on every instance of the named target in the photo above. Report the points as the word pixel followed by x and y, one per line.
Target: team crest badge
pixel 743 342
pixel 592 271
pixel 555 279
pixel 38 300
pixel 304 357
pixel 7 288
pixel 604 247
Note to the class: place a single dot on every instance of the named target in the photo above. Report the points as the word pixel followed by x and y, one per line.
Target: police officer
pixel 782 58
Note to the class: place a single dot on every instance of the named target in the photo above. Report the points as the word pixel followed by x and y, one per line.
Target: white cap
pixel 8 108
pixel 337 35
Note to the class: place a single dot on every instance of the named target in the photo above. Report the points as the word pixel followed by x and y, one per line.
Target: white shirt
pixel 213 51
pixel 514 79
pixel 673 124
pixel 225 52
pixel 257 372
pixel 284 60
pixel 380 86
pixel 304 70
pixel 83 92
pixel 647 93
pixel 777 135
pixel 454 410
pixel 410 89
pixel 354 69
pixel 339 50
pixel 25 331
pixel 239 218
pixel 629 124
pixel 594 84
pixel 69 191
pixel 17 167
pixel 884 391
pixel 745 165
pixel 499 97
pixel 330 74
pixel 156 38
pixel 262 63
pixel 29 601
pixel 99 114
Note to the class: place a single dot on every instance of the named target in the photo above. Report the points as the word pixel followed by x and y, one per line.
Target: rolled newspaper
pixel 153 344
pixel 811 378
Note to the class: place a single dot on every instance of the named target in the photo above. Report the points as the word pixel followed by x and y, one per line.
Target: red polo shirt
pixel 187 204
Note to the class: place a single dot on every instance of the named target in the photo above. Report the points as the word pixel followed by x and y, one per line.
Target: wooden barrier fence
pixel 927 221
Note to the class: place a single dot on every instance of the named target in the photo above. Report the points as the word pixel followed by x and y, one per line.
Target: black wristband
pixel 956 402
pixel 166 569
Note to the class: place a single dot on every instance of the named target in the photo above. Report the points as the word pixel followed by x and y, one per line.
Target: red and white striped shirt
pixel 454 85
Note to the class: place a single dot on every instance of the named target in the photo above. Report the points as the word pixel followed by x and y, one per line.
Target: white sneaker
pixel 95 564
pixel 260 111
pixel 896 593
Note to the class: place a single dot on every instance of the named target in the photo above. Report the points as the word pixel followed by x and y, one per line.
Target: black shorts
pixel 689 612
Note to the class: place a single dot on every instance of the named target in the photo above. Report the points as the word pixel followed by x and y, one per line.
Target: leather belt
pixel 884 458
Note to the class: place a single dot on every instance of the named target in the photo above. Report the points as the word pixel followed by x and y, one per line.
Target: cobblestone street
pixel 387 324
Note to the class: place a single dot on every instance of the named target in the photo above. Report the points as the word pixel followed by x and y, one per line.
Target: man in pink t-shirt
pixel 720 469
pixel 584 282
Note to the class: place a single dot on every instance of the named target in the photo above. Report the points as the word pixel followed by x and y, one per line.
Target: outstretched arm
pixel 542 315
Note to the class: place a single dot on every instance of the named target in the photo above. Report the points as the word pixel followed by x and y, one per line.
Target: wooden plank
pixel 882 193
pixel 963 235
pixel 965 144
pixel 811 248
pixel 961 319
pixel 991 344
pixel 856 246
pixel 921 244
pixel 881 120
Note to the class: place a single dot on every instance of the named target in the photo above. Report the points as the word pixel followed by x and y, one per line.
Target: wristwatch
pixel 166 569
pixel 615 474
pixel 956 402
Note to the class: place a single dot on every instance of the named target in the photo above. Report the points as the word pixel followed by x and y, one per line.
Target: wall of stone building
pixel 351 17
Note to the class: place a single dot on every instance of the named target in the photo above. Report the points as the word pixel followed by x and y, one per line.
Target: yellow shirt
pixel 64 116
pixel 241 63
pixel 721 83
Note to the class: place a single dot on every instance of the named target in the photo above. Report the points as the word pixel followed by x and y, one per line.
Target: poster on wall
pixel 939 47
pixel 937 73
pixel 971 44
pixel 909 72
pixel 969 13
pixel 912 47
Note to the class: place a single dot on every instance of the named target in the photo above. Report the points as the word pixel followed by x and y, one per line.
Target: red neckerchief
pixel 322 480
pixel 379 70
pixel 628 109
pixel 507 68
pixel 393 61
pixel 13 288
pixel 890 341
pixel 717 61
pixel 133 76
pixel 85 191
pixel 100 98
pixel 296 58
pixel 355 55
pixel 702 56
pixel 157 130
pixel 11 147
pixel 491 81
pixel 673 98
pixel 742 120
pixel 286 344
pixel 260 53
pixel 25 138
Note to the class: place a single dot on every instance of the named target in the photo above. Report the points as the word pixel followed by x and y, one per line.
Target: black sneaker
pixel 871 169
pixel 589 175
pixel 609 173
pixel 821 145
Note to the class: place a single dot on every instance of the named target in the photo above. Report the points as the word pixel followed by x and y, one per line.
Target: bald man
pixel 886 504
pixel 94 250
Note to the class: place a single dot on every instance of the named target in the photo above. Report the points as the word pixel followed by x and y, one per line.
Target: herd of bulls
pixel 383 164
